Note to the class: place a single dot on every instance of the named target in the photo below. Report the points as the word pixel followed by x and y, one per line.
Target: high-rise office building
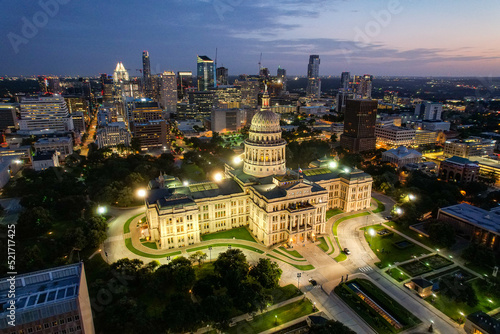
pixel 148 124
pixel 313 81
pixel 344 80
pixel 222 76
pixel 281 75
pixel 113 134
pixel 146 74
pixel 184 83
pixel 205 73
pixel 48 301
pixel 227 97
pixel 250 89
pixel 365 87
pixel 107 88
pixel 264 73
pixel 46 112
pixel 8 116
pixel 203 103
pixel 429 111
pixel 359 125
pixel 168 91
pixel 120 73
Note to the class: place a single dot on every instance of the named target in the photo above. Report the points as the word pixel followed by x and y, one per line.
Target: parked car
pixel 388 217
pixel 347 251
pixel 313 282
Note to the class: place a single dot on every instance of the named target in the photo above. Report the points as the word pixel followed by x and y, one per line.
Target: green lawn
pixel 380 206
pixel 337 222
pixel 331 243
pixel 225 245
pixel 453 309
pixel 304 267
pixel 287 256
pixel 151 245
pixel 128 243
pixel 480 269
pixel 283 293
pixel 385 249
pixel 425 265
pixel 332 212
pixel 95 268
pixel 273 318
pixel 240 233
pixel 397 274
pixel 323 245
pixel 293 253
pixel 412 234
pixel 342 256
pixel 126 227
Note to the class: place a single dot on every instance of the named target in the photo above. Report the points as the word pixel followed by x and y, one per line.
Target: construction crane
pixel 260 63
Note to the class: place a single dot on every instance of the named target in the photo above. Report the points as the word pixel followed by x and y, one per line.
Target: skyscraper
pixel 313 81
pixel 359 126
pixel 146 73
pixel 168 91
pixel 344 80
pixel 205 73
pixel 222 76
pixel 184 82
pixel 45 112
pixel 120 74
pixel 365 87
pixel 281 74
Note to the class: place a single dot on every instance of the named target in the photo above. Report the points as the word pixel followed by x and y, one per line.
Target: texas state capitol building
pixel 277 205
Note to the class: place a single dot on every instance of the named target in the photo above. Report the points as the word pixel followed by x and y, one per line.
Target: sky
pixel 378 37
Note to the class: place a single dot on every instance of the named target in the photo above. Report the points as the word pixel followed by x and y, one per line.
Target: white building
pixel 277 205
pixel 45 112
pixel 113 134
pixel 45 160
pixel 429 110
pixel 401 156
pixel 470 147
pixel 394 136
pixel 121 74
pixel 435 125
pixel 62 145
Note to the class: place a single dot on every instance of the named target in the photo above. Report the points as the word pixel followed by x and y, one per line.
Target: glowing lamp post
pixel 333 164
pixel 371 232
pixel 218 177
pixel 237 160
pixel 141 193
pixel 101 210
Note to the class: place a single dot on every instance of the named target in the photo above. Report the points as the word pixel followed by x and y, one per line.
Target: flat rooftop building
pixel 48 301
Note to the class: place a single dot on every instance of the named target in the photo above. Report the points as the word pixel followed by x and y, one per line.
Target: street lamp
pixel 237 160
pixel 218 177
pixel 185 183
pixel 141 193
pixel 101 210
pixel 399 211
pixel 371 232
pixel 333 164
pixel 411 197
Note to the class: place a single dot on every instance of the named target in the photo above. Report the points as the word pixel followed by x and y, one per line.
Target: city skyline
pixel 390 38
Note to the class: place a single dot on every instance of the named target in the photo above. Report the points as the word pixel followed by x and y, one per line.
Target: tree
pixel 34 221
pixel 182 273
pixel 135 144
pixel 198 256
pixel 333 138
pixel 329 327
pixel 267 273
pixel 440 233
pixel 217 309
pixel 232 267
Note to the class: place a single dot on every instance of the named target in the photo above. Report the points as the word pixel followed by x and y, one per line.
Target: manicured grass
pixel 332 212
pixel 412 234
pixel 323 245
pixel 95 268
pixel 466 275
pixel 385 249
pixel 130 247
pixel 282 293
pixel 273 318
pixel 480 269
pixel 380 206
pixel 126 227
pixel 437 261
pixel 337 222
pixel 397 274
pixel 225 245
pixel 151 245
pixel 287 256
pixel 293 253
pixel 375 320
pixel 452 309
pixel 304 267
pixel 425 265
pixel 331 244
pixel 240 233
pixel 342 256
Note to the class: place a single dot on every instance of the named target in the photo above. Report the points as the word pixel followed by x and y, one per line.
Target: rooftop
pixel 41 289
pixel 460 160
pixel 41 156
pixel 486 322
pixel 402 152
pixel 489 220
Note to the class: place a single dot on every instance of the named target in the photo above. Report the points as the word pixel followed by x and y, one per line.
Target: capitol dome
pixel 264 148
